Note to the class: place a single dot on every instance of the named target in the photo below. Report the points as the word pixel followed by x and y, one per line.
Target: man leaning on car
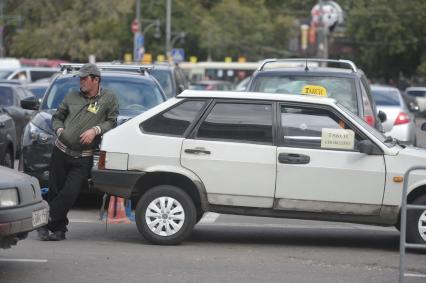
pixel 80 120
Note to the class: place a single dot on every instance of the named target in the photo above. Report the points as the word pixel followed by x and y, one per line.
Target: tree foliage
pixel 388 37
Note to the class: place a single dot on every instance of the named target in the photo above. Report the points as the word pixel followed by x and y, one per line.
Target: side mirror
pixel 30 104
pixel 413 107
pixel 423 127
pixel 369 148
pixel 382 116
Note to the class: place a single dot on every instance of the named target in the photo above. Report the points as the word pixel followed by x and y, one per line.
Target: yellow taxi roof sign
pixel 314 90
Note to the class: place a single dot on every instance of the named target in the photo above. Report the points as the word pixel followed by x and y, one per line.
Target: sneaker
pixel 43 234
pixel 57 236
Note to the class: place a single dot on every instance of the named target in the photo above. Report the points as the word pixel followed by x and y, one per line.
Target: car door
pixel 320 168
pixel 232 152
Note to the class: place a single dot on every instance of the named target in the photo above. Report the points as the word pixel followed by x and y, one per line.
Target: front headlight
pixel 8 197
pixel 36 134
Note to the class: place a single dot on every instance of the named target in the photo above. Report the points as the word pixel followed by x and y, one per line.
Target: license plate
pixel 40 217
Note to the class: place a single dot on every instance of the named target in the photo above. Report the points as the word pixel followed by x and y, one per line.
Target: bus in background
pixel 233 72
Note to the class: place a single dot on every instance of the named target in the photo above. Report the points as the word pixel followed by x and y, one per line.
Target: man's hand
pixel 88 136
pixel 59 131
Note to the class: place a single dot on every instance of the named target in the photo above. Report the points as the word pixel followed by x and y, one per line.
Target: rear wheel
pixel 8 159
pixel 416 223
pixel 165 215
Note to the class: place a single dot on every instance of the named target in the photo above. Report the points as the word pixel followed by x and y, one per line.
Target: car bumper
pixel 116 182
pixel 20 219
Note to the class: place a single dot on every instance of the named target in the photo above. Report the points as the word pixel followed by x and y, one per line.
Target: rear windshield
pixel 386 97
pixel 417 93
pixel 6 96
pixel 132 94
pixel 341 89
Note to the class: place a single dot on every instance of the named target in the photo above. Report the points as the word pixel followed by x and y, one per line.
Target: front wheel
pixel 416 223
pixel 165 215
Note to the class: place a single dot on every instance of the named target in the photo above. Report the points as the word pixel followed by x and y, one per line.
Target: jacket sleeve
pixel 60 115
pixel 111 116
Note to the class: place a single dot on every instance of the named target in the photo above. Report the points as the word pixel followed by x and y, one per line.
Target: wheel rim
pixel 165 216
pixel 422 225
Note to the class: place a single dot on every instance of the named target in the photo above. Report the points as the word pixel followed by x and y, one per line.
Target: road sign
pixel 178 55
pixel 139 49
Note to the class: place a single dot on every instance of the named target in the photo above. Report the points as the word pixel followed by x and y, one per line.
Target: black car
pixel 22 208
pixel 10 99
pixel 8 140
pixel 171 78
pixel 136 93
pixel 340 79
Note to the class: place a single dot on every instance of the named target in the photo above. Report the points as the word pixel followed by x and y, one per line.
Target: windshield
pixel 376 133
pixel 132 94
pixel 386 97
pixel 5 74
pixel 164 77
pixel 6 96
pixel 341 89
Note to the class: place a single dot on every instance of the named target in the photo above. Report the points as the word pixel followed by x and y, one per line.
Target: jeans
pixel 67 176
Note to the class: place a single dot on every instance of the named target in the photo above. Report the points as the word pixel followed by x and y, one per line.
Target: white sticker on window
pixel 337 138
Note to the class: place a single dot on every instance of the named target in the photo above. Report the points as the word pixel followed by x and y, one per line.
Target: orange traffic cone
pixel 116 211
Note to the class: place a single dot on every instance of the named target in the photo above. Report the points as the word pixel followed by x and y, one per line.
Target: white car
pixel 257 154
pixel 419 92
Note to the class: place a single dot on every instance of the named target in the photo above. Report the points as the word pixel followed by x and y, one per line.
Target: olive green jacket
pixel 78 113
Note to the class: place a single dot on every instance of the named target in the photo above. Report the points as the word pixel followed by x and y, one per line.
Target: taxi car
pixel 259 154
pixel 22 208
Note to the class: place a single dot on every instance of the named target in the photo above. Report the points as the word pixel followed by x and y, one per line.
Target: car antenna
pixel 306 66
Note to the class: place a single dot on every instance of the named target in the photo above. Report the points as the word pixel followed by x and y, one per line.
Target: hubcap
pixel 422 225
pixel 165 216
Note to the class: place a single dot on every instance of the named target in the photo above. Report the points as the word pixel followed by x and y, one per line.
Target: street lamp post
pixel 168 28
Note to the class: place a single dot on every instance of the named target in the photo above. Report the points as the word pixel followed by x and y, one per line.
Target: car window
pixel 369 115
pixel 386 97
pixel 316 128
pixel 176 120
pixel 132 94
pixel 38 75
pixel 6 96
pixel 164 77
pixel 241 122
pixel 341 89
pixel 416 93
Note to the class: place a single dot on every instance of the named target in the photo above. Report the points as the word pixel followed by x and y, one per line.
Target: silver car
pixel 400 122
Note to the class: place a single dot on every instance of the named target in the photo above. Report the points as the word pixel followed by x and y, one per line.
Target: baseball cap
pixel 88 69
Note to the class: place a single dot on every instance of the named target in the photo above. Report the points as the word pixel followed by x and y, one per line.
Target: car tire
pixel 165 215
pixel 416 223
pixel 8 159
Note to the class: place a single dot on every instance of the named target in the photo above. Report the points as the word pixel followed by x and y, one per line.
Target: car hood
pixel 43 119
pixel 11 178
pixel 416 155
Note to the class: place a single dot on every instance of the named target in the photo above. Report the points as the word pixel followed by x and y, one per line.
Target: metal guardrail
pixel 69 67
pixel 349 63
pixel 402 241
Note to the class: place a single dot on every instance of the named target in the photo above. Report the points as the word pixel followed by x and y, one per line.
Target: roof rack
pixel 69 67
pixel 349 63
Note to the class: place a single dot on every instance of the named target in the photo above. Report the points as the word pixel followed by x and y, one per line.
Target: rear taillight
pixel 370 120
pixel 402 118
pixel 102 158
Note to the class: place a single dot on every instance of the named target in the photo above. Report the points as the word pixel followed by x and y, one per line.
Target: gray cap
pixel 88 69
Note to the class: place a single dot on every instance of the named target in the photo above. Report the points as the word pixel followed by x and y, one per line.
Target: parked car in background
pixel 419 93
pixel 38 89
pixel 211 85
pixel 8 139
pixel 136 92
pixel 340 79
pixel 22 208
pixel 11 96
pixel 171 78
pixel 400 122
pixel 28 74
pixel 258 154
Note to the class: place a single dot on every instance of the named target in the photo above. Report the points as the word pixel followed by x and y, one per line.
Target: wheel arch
pixel 415 193
pixel 194 188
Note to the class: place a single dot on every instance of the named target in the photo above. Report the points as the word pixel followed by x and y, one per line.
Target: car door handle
pixel 293 158
pixel 197 151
